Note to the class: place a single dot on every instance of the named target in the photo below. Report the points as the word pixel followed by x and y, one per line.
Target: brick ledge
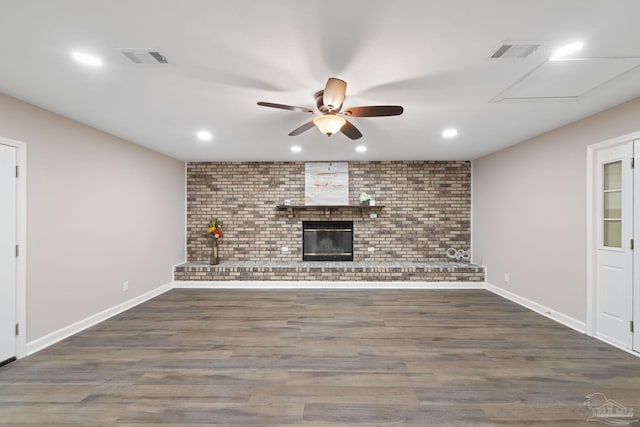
pixel 338 271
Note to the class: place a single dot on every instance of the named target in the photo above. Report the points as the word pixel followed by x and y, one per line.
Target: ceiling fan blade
pixel 374 111
pixel 350 130
pixel 305 127
pixel 286 107
pixel 334 93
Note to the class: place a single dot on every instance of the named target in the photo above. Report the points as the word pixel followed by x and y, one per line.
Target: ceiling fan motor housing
pixel 320 102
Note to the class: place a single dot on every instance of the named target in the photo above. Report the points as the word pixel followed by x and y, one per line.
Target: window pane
pixel 613 176
pixel 613 234
pixel 612 226
pixel 613 205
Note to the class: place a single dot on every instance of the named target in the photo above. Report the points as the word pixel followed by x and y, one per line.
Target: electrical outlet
pixel 285 249
pixel 371 249
pixel 506 277
pixel 125 286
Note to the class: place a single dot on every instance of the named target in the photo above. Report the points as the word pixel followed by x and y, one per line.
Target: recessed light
pixel 296 149
pixel 449 133
pixel 86 59
pixel 566 50
pixel 204 135
pixel 361 148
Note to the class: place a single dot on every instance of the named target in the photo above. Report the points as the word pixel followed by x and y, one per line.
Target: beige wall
pixel 100 211
pixel 529 211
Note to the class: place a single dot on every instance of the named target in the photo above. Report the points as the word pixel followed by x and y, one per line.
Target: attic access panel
pixel 567 79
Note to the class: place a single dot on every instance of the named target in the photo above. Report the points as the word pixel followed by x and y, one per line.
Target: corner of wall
pixel 550 313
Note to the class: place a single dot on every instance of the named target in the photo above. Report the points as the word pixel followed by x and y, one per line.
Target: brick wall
pixel 427 209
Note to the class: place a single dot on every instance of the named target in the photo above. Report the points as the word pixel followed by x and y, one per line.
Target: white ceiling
pixel 430 56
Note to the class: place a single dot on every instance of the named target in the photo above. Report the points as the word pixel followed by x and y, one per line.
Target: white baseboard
pixel 539 308
pixel 616 345
pixel 275 284
pixel 81 325
pixel 67 331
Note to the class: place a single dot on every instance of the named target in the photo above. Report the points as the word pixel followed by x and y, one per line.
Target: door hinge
pixel 631 244
pixel 633 162
pixel 17 251
pixel 17 171
pixel 17 329
pixel 631 326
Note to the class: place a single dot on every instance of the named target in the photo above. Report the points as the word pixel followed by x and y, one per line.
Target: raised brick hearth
pixel 330 271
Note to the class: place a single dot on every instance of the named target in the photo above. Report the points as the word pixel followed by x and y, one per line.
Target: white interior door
pixel 636 253
pixel 8 239
pixel 614 213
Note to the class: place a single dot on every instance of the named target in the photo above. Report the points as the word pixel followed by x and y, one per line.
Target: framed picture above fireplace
pixel 326 183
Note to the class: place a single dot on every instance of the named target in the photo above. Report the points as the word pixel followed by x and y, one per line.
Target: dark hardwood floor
pixel 319 358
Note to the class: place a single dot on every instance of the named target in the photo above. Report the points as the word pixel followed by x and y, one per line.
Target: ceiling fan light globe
pixel 329 124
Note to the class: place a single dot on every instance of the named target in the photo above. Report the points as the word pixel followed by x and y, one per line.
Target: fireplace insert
pixel 327 240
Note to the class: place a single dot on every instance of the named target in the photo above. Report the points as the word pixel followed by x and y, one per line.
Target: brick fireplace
pixel 427 207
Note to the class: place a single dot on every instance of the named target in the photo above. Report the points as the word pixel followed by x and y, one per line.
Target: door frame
pixel 21 239
pixel 592 244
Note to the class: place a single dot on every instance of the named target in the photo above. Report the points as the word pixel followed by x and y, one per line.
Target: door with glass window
pixel 614 289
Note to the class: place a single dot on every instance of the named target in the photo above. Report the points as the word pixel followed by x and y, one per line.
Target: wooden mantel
pixel 330 208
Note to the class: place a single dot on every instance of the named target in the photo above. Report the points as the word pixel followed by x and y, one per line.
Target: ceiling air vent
pixel 514 49
pixel 145 56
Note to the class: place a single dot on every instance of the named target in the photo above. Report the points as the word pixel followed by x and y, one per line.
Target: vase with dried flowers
pixel 214 229
pixel 365 199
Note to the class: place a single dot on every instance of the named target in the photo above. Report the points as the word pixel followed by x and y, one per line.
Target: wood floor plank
pixel 381 413
pixel 401 395
pixel 330 358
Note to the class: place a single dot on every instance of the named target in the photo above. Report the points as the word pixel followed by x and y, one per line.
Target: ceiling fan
pixel 329 103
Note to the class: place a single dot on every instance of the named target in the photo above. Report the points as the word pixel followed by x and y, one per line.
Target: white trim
pixel 591 225
pixel 539 308
pixel 54 337
pixel 229 284
pixel 67 331
pixel 614 141
pixel 591 231
pixel 619 347
pixel 635 257
pixel 21 240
